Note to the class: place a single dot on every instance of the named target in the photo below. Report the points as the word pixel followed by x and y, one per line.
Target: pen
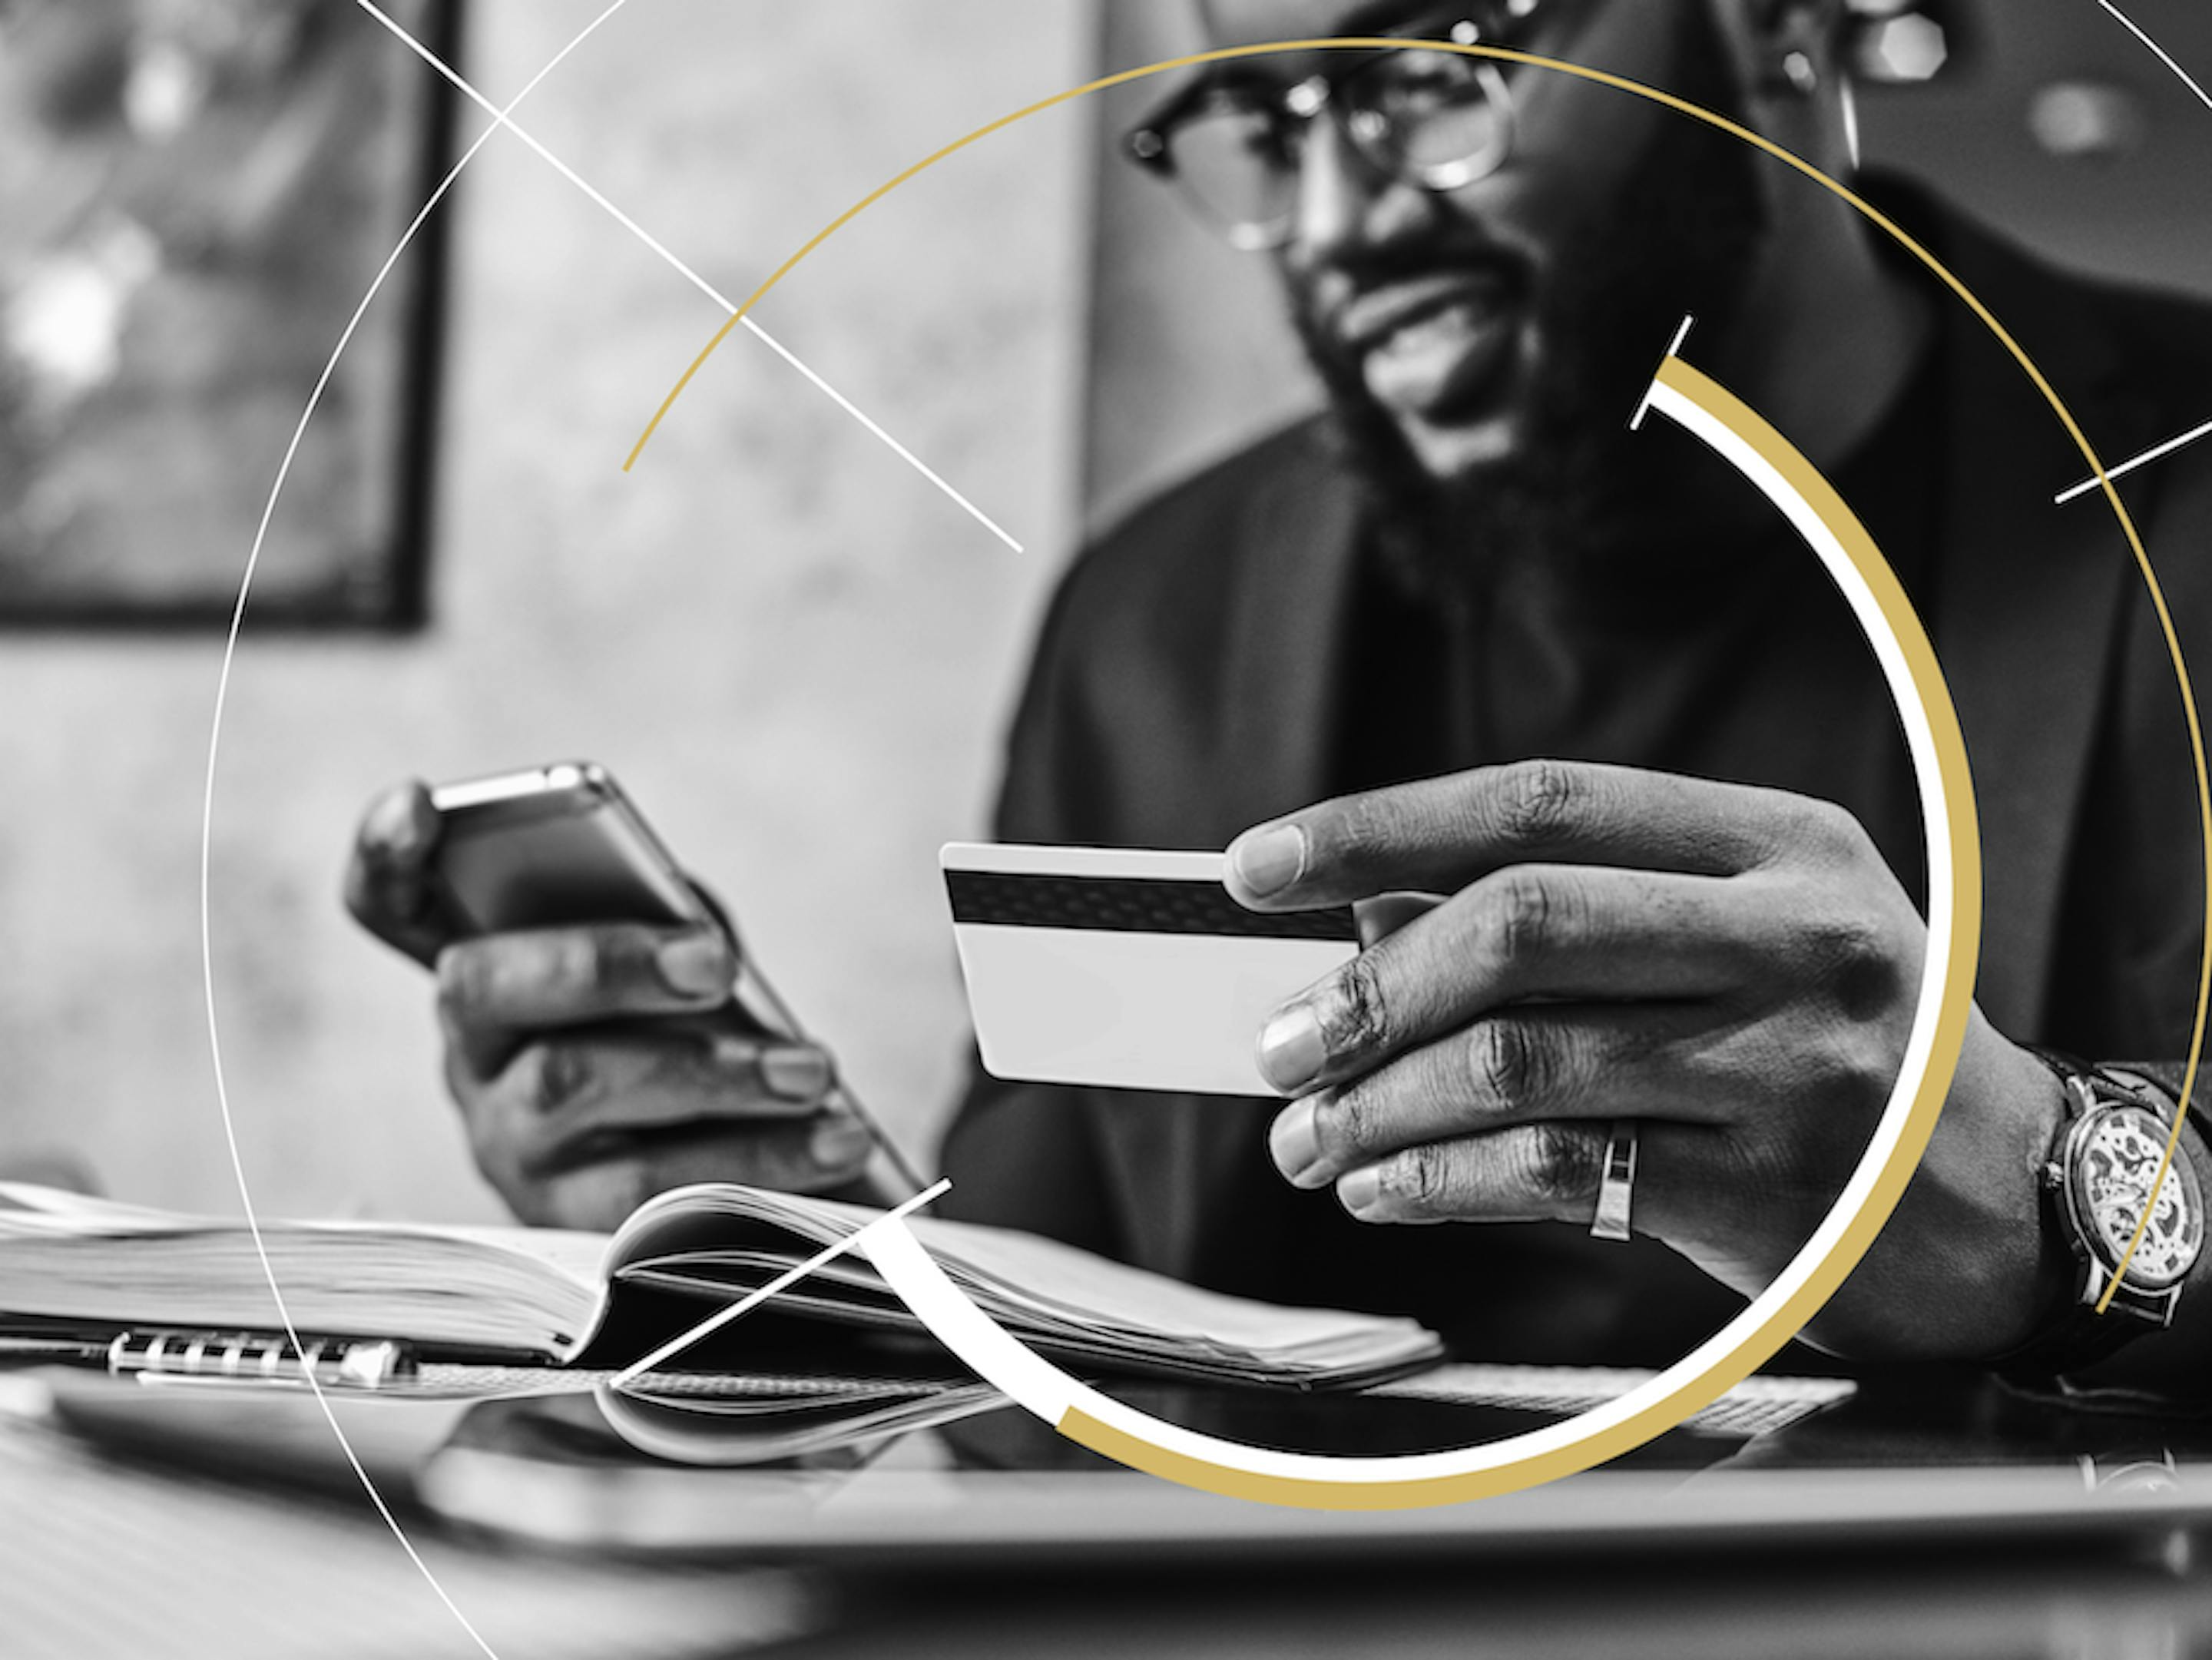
pixel 261 1359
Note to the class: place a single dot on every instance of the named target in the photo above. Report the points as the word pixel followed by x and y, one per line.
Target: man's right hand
pixel 596 1066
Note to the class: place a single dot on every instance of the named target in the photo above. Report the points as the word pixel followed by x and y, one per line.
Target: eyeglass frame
pixel 1148 144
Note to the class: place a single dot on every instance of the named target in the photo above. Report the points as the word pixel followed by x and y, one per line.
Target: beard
pixel 1689 224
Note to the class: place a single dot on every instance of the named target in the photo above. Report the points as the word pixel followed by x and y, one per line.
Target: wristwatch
pixel 2096 1184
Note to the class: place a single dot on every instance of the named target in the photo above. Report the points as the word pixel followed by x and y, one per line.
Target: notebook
pixel 455 1310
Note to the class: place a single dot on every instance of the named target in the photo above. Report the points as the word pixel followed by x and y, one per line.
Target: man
pixel 1696 909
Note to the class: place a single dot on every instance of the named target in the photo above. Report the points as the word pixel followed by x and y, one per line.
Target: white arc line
pixel 2158 51
pixel 2194 433
pixel 500 117
pixel 207 818
pixel 782 1282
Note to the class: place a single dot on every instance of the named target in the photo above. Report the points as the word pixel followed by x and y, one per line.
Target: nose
pixel 1345 205
pixel 1333 187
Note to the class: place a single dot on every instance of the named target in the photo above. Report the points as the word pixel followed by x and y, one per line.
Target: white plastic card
pixel 1125 967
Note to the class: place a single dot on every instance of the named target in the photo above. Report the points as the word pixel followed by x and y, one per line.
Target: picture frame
pixel 195 196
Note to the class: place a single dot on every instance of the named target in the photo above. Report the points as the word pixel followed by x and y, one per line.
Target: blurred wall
pixel 797 653
pixel 1190 356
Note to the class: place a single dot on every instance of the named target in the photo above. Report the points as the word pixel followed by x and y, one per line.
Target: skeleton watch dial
pixel 2116 1157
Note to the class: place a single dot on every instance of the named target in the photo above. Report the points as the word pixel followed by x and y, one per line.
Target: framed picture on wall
pixel 195 196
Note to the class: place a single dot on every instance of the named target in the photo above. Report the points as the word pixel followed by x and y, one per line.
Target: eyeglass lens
pixel 1435 117
pixel 1238 160
pixel 1432 112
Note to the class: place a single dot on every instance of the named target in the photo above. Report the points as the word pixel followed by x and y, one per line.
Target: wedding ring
pixel 1616 1187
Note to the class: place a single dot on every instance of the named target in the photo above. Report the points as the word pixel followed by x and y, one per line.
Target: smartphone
pixel 555 846
pixel 560 845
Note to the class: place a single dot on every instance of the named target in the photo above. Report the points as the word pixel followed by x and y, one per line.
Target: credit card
pixel 1125 967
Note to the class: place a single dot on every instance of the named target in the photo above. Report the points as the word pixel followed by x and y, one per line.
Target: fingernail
pixel 796 1074
pixel 404 824
pixel 694 965
pixel 1291 1053
pixel 1295 1144
pixel 1359 1190
pixel 1268 860
pixel 840 1141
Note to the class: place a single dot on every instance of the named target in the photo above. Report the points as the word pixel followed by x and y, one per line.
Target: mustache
pixel 1344 306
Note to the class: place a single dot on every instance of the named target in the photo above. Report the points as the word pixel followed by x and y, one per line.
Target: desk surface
pixel 1937 1460
pixel 102 1558
pixel 113 1555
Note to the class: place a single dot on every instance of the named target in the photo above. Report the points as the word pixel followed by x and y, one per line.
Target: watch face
pixel 2117 1154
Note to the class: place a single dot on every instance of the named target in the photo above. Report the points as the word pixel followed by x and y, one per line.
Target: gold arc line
pixel 1951 742
pixel 1959 948
pixel 853 212
pixel 1758 141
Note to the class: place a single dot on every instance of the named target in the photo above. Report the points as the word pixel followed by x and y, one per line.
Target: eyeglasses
pixel 1234 144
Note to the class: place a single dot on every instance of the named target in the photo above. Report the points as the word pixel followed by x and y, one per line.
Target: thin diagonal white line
pixel 782 1282
pixel 2129 466
pixel 1674 346
pixel 500 117
pixel 897 448
pixel 2194 433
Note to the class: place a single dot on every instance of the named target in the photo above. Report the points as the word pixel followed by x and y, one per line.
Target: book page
pixel 1040 1289
pixel 542 1293
pixel 65 1257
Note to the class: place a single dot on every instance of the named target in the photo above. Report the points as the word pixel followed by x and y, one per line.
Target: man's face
pixel 1477 322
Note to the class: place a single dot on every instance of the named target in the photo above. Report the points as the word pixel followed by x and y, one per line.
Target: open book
pixel 523 1309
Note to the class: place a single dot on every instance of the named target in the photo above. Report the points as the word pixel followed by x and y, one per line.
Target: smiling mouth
pixel 1439 346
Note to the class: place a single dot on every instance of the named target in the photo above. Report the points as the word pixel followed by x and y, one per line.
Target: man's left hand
pixel 1735 969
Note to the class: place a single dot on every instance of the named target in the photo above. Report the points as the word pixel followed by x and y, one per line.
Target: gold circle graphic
pixel 1959 949
pixel 1241 1471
